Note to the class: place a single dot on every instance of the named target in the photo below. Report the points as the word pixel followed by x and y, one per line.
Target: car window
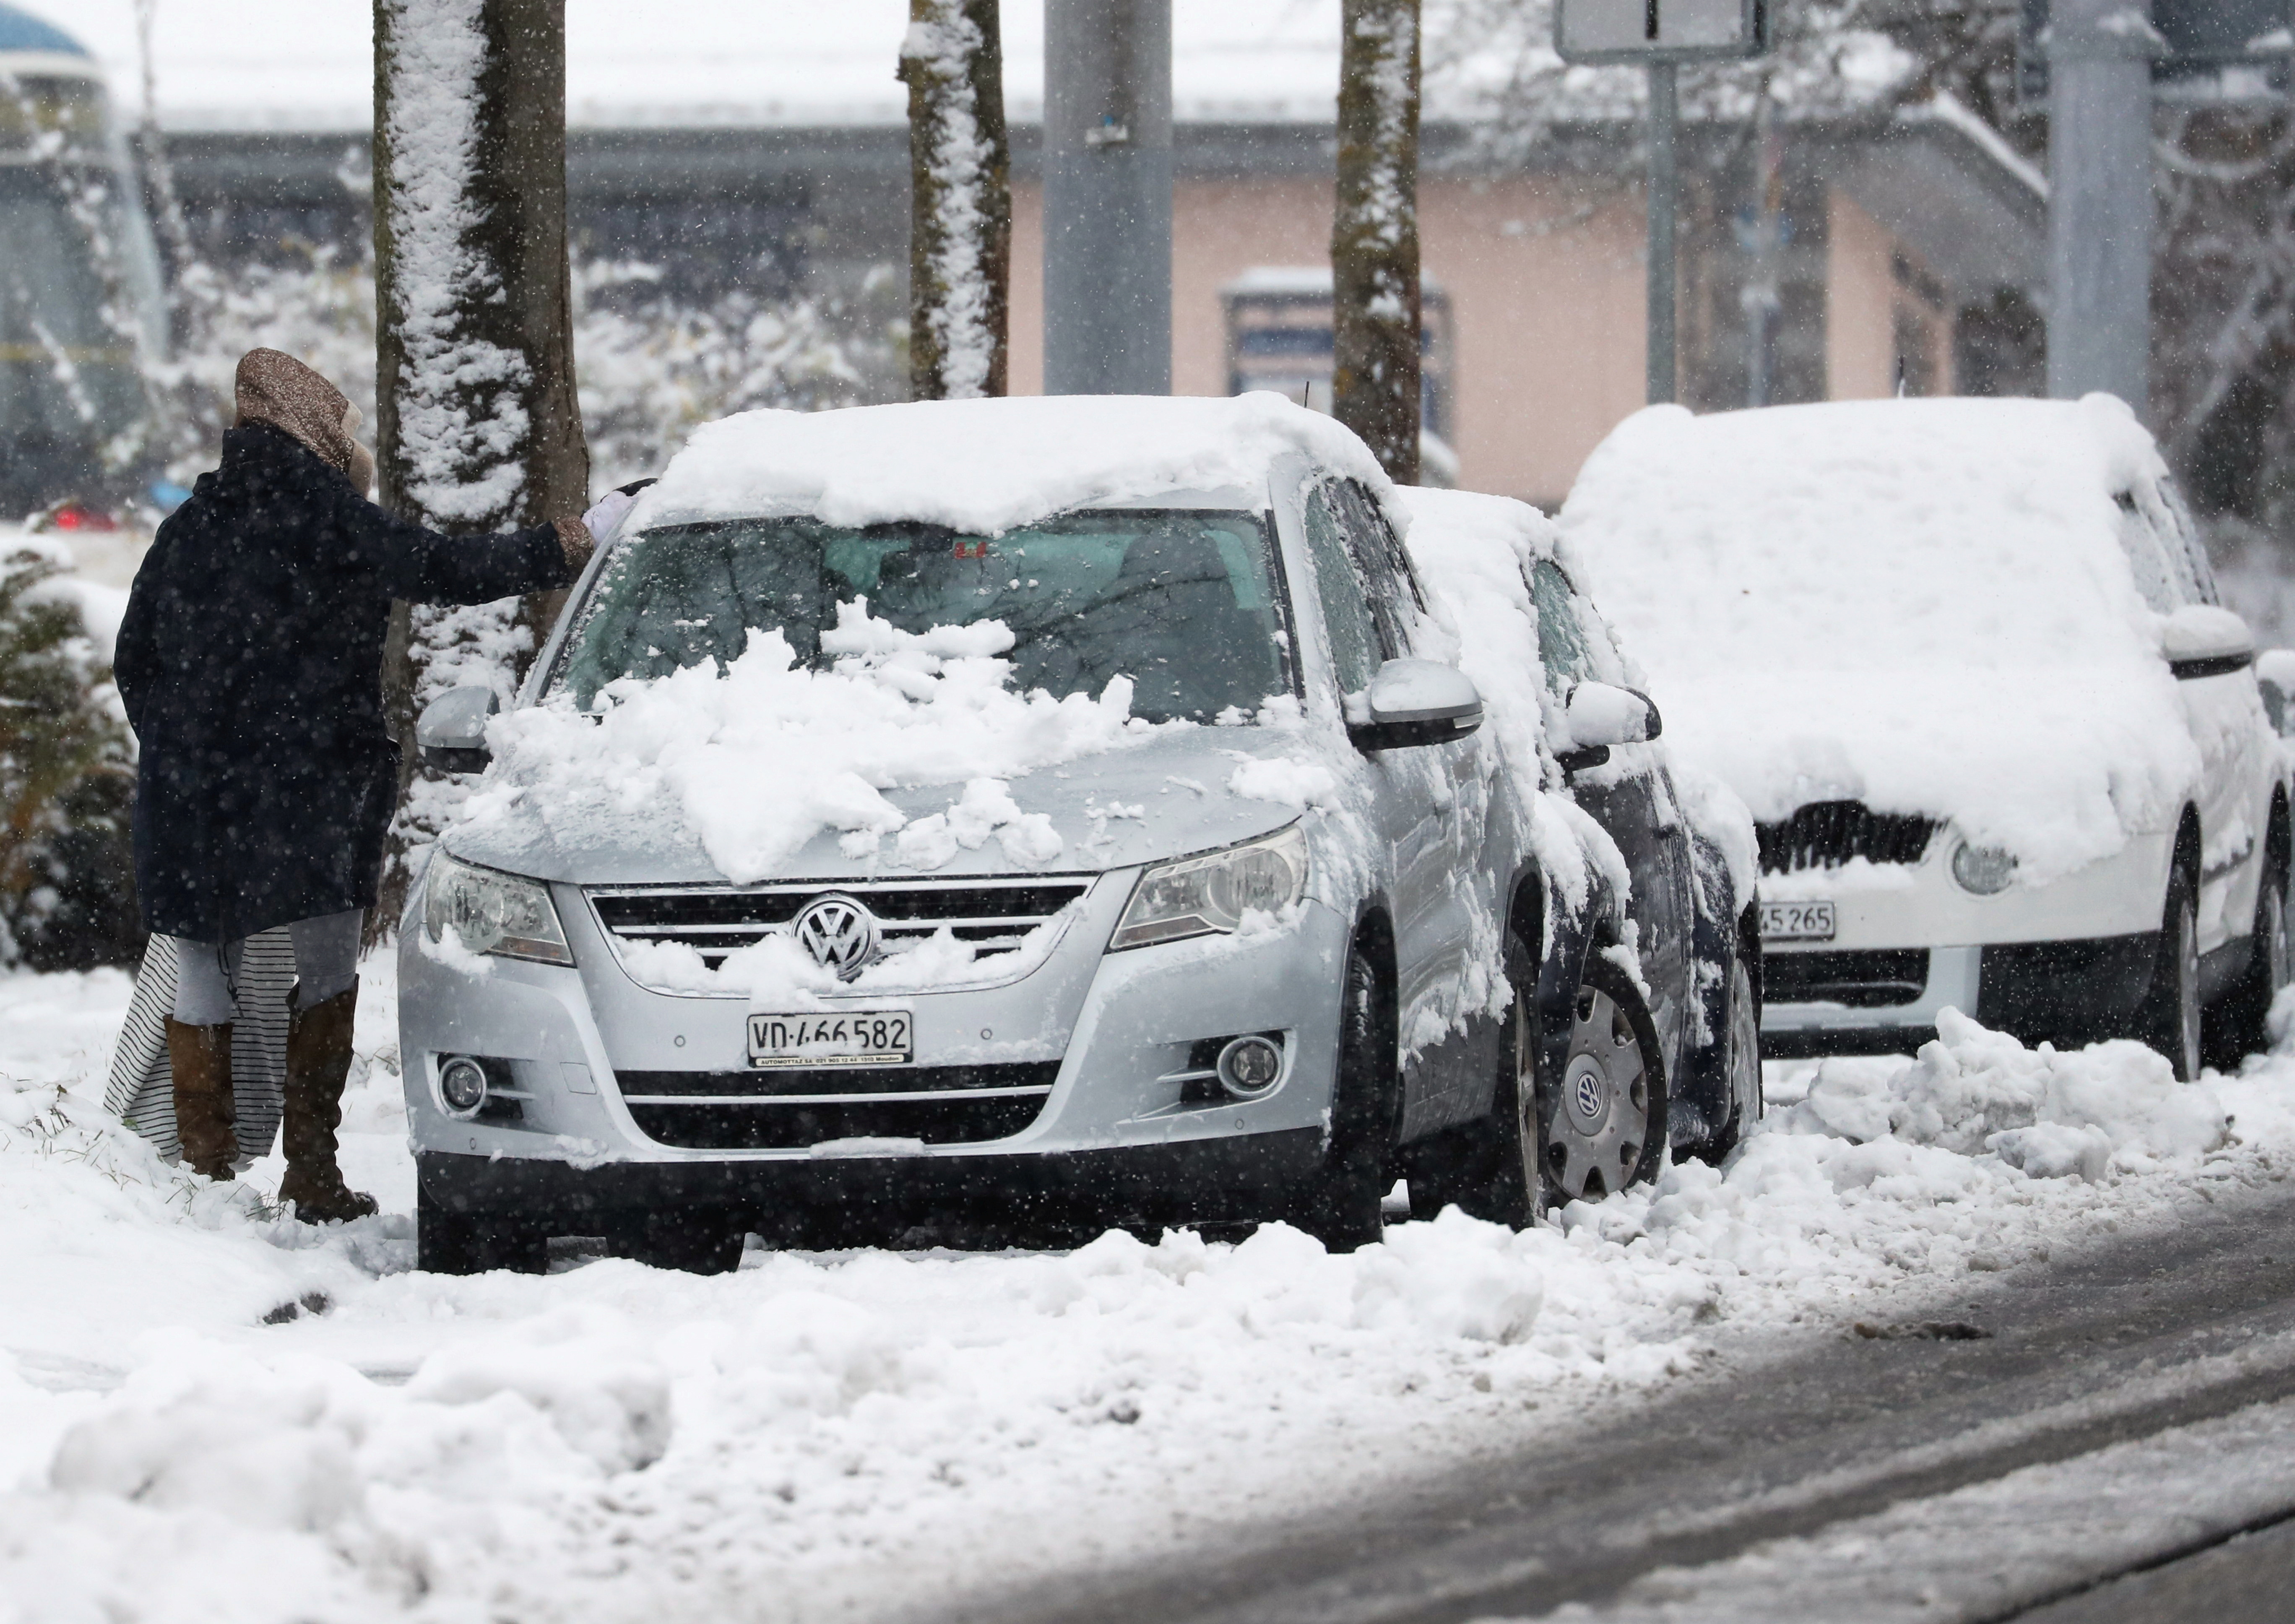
pixel 2155 581
pixel 1562 646
pixel 1397 599
pixel 1185 602
pixel 1355 647
pixel 2192 544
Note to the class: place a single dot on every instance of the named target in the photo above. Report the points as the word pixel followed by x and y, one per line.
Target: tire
pixel 475 1242
pixel 1743 1062
pixel 1541 1163
pixel 2239 1025
pixel 2169 1019
pixel 1604 1128
pixel 1340 1206
pixel 695 1240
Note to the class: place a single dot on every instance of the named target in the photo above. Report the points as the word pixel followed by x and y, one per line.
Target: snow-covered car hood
pixel 2059 765
pixel 1183 789
pixel 1922 605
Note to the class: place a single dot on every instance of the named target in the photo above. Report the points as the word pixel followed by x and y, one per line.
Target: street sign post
pixel 2098 66
pixel 1660 35
pixel 2219 52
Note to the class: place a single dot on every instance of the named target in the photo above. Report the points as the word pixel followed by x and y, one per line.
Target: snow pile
pixel 1919 604
pixel 2051 1114
pixel 190 1392
pixel 984 466
pixel 762 757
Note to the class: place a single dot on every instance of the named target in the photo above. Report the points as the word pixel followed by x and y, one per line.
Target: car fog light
pixel 462 1086
pixel 1985 870
pixel 1249 1067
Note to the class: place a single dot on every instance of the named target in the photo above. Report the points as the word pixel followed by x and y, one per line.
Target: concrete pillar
pixel 1107 197
pixel 2100 200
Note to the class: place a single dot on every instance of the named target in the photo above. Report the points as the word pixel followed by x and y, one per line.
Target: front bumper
pixel 2069 959
pixel 1205 1180
pixel 1118 1027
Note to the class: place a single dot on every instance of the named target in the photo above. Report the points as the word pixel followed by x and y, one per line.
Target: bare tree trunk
pixel 1375 233
pixel 478 428
pixel 960 236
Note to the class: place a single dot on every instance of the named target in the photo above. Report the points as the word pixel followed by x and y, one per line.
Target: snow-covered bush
pixel 66 782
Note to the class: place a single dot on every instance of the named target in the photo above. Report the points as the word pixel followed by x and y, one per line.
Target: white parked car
pixel 1965 661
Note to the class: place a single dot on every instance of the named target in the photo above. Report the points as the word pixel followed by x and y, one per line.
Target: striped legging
pixel 142 1091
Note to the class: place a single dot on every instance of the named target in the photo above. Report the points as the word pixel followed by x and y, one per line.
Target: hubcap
pixel 1601 1123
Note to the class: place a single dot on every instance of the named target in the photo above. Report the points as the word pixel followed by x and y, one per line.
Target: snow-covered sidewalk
pixel 207 1412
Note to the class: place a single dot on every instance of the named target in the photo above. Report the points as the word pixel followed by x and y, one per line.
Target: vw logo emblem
pixel 1588 1092
pixel 840 933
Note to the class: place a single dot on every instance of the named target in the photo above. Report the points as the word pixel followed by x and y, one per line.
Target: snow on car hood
pixel 985 466
pixel 911 757
pixel 1921 605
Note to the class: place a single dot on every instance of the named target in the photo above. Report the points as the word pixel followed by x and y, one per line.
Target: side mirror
pixel 2201 640
pixel 452 732
pixel 1600 715
pixel 2274 677
pixel 1416 702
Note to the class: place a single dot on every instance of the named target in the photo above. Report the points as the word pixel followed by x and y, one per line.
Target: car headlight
pixel 492 912
pixel 1200 896
pixel 1987 870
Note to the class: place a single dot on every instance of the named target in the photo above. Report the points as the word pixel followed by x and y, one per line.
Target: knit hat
pixel 275 389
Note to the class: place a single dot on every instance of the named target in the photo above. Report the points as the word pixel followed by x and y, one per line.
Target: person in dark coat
pixel 250 663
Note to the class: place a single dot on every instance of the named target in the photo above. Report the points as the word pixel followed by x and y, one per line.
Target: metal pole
pixel 1107 197
pixel 1663 119
pixel 2099 201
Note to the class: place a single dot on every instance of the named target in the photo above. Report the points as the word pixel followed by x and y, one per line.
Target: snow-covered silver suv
pixel 1063 805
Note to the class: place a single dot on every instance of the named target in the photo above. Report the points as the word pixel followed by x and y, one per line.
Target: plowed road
pixel 2110 1439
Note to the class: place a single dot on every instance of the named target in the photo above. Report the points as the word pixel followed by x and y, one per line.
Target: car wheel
pixel 1341 1207
pixel 1743 1063
pixel 696 1240
pixel 2168 1019
pixel 1606 1127
pixel 2239 1025
pixel 450 1243
pixel 1502 1178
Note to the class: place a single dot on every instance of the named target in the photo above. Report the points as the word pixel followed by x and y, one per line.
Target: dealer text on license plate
pixel 851 1037
pixel 1796 921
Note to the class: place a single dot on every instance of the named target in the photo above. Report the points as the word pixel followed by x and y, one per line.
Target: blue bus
pixel 81 317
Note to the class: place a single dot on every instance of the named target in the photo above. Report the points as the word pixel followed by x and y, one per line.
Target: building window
pixel 1279 338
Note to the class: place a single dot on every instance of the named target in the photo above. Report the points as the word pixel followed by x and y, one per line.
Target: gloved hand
pixel 603 519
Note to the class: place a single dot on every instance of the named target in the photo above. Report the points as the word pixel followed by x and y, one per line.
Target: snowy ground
pixel 194 1392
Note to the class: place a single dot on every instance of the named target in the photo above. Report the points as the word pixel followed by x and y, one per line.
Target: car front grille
pixel 1826 834
pixel 789 1110
pixel 1872 980
pixel 992 914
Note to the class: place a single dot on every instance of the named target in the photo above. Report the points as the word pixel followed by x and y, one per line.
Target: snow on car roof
pixel 1920 604
pixel 984 466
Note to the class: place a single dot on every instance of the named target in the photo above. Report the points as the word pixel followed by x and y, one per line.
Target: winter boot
pixel 200 1057
pixel 318 1061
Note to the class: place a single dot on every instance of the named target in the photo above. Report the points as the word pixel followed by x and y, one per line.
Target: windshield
pixel 1185 602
